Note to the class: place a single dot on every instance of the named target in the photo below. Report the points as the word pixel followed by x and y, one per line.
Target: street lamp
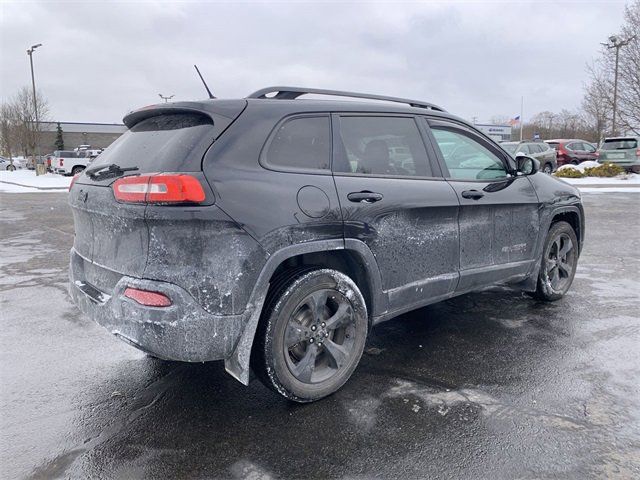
pixel 617 43
pixel 35 103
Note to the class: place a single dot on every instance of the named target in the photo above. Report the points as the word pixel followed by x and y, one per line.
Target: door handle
pixel 364 196
pixel 473 194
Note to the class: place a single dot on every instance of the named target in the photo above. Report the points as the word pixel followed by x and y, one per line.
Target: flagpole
pixel 521 116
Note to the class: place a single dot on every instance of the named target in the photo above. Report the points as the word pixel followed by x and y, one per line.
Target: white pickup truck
pixel 70 162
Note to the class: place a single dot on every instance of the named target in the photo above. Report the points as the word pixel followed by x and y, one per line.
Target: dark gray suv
pixel 273 232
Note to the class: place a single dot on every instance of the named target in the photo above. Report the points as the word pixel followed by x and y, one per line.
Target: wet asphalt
pixel 489 385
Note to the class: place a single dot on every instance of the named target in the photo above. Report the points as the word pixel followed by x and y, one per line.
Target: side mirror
pixel 527 165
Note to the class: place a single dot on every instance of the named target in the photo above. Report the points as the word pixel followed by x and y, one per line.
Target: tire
pixel 548 168
pixel 556 275
pixel 311 334
pixel 11 168
pixel 76 170
pixel 575 162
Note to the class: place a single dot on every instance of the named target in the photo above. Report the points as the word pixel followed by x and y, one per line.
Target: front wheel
pixel 547 168
pixel 11 168
pixel 311 335
pixel 558 264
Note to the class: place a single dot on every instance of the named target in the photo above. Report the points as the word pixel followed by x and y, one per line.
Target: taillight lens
pixel 147 298
pixel 61 162
pixel 159 188
pixel 597 154
pixel 73 180
pixel 638 152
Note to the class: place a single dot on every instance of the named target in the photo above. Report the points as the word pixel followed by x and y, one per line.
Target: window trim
pixel 337 142
pixel 476 136
pixel 264 162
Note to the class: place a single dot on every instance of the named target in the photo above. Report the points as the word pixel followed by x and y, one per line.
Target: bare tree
pixel 18 120
pixel 598 100
pixel 9 126
pixel 629 70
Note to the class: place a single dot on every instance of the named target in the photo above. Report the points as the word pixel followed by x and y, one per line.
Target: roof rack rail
pixel 291 93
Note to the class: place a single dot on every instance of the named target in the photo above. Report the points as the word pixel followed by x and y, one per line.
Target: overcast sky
pixel 101 59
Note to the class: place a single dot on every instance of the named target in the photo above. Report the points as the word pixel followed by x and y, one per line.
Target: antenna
pixel 203 82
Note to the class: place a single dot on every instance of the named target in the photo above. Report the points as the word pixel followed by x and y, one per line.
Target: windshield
pixel 620 144
pixel 509 147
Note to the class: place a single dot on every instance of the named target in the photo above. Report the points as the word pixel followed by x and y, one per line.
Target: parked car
pixel 623 151
pixel 273 232
pixel 538 150
pixel 573 151
pixel 68 162
pixel 8 164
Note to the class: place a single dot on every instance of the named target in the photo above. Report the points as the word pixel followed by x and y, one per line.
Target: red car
pixel 573 151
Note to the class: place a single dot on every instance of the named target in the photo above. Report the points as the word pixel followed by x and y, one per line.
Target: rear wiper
pixel 106 171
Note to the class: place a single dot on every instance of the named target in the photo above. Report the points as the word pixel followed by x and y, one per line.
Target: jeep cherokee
pixel 273 232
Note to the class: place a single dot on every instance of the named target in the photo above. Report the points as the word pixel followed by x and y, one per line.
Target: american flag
pixel 515 120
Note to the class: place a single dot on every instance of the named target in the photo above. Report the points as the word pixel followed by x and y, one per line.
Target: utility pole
pixel 521 116
pixel 166 99
pixel 617 43
pixel 35 108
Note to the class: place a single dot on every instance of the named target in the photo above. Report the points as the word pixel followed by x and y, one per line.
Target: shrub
pixel 604 170
pixel 569 173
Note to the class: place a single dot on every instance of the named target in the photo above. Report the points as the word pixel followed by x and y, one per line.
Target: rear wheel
pixel 11 168
pixel 77 169
pixel 311 336
pixel 559 261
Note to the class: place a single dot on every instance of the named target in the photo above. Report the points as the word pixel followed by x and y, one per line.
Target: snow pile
pixel 27 181
pixel 580 167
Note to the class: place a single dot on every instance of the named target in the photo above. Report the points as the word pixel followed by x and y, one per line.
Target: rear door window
pixel 381 146
pixel 301 143
pixel 174 142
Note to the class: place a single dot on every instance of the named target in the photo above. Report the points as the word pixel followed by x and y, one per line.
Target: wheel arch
pixel 351 257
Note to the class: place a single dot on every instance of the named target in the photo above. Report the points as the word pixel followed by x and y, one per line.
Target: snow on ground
pixel 23 181
pixel 631 179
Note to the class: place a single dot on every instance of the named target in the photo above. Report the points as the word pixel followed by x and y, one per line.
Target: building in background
pixel 74 134
pixel 500 133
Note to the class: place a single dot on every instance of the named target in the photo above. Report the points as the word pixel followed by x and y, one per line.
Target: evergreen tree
pixel 59 143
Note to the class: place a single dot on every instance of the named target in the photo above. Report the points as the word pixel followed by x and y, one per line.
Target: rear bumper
pixel 183 331
pixel 61 171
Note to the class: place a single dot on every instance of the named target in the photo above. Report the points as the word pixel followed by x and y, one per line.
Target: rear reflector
pixel 147 298
pixel 159 188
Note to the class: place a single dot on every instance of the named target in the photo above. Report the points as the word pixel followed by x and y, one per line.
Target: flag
pixel 515 120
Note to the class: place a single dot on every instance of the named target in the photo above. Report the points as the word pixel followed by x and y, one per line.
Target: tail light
pixel 48 162
pixel 147 298
pixel 159 188
pixel 73 180
pixel 597 154
pixel 638 152
pixel 61 161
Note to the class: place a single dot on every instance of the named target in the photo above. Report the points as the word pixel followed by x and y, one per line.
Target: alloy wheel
pixel 320 336
pixel 560 262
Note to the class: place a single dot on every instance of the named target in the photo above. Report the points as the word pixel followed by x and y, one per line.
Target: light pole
pixel 166 99
pixel 35 104
pixel 617 43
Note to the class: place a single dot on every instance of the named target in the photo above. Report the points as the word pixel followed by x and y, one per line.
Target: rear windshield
pixel 553 145
pixel 173 142
pixel 620 144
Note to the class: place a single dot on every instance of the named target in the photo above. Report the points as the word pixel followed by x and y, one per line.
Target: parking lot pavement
pixel 489 385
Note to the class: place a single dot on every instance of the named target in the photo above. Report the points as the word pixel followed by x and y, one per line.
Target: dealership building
pixel 74 134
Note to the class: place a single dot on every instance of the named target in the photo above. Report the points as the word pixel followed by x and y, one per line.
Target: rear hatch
pixel 112 237
pixel 619 150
